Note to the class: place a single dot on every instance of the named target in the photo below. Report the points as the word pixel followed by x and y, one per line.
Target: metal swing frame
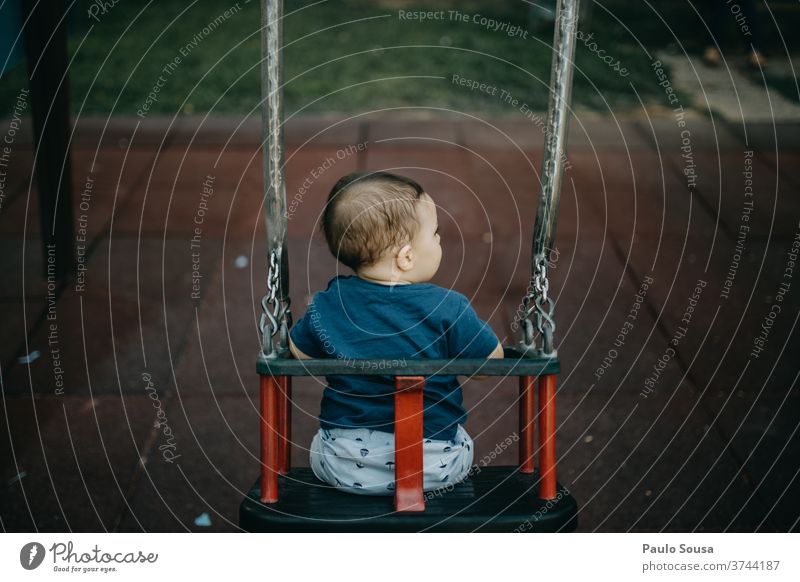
pixel 529 362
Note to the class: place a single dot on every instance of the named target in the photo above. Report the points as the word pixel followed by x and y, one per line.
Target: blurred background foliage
pixel 358 55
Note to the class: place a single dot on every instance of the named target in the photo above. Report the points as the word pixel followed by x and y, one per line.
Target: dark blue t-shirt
pixel 358 319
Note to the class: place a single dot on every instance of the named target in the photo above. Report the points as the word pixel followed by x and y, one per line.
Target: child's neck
pixel 371 279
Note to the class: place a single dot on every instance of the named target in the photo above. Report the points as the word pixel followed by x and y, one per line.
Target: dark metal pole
pixel 46 47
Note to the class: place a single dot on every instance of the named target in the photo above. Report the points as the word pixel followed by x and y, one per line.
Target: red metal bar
pixel 269 438
pixel 408 443
pixel 284 424
pixel 547 436
pixel 527 411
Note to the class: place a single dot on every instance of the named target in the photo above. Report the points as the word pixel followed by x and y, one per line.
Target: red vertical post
pixel 547 436
pixel 408 443
pixel 284 423
pixel 527 410
pixel 269 438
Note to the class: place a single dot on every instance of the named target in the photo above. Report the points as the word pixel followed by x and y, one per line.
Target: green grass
pixel 346 56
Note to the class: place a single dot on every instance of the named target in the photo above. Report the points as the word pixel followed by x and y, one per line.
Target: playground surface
pixel 130 396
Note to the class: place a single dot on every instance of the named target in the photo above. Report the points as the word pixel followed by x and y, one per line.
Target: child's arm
pixel 469 336
pixel 497 353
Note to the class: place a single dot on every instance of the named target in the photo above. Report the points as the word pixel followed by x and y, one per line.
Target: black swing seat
pixel 491 499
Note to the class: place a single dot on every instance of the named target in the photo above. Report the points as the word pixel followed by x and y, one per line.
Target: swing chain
pixel 543 309
pixel 275 310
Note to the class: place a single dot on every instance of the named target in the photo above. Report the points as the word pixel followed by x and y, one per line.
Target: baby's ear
pixel 404 258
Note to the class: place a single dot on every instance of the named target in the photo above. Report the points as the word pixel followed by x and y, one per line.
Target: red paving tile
pixel 120 132
pixel 173 199
pixel 323 131
pixel 217 132
pixel 212 131
pixel 667 135
pixel 416 134
pixel 493 135
pixel 528 133
pixel 508 185
pixel 608 173
pixel 650 204
pixel 602 134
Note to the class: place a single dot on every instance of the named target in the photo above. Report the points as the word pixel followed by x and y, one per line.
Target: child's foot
pixel 712 57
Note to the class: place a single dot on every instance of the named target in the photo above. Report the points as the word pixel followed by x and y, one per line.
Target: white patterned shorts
pixel 361 460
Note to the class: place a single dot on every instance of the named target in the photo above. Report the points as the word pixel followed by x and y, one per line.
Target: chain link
pixel 541 306
pixel 275 314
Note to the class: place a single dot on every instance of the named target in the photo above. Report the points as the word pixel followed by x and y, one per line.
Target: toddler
pixel 384 227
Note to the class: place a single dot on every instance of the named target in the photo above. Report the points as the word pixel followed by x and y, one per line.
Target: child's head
pixel 383 226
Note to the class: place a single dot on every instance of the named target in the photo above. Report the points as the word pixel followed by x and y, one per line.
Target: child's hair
pixel 368 213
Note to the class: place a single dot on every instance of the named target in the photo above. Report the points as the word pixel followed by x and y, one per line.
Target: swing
pixel 494 498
